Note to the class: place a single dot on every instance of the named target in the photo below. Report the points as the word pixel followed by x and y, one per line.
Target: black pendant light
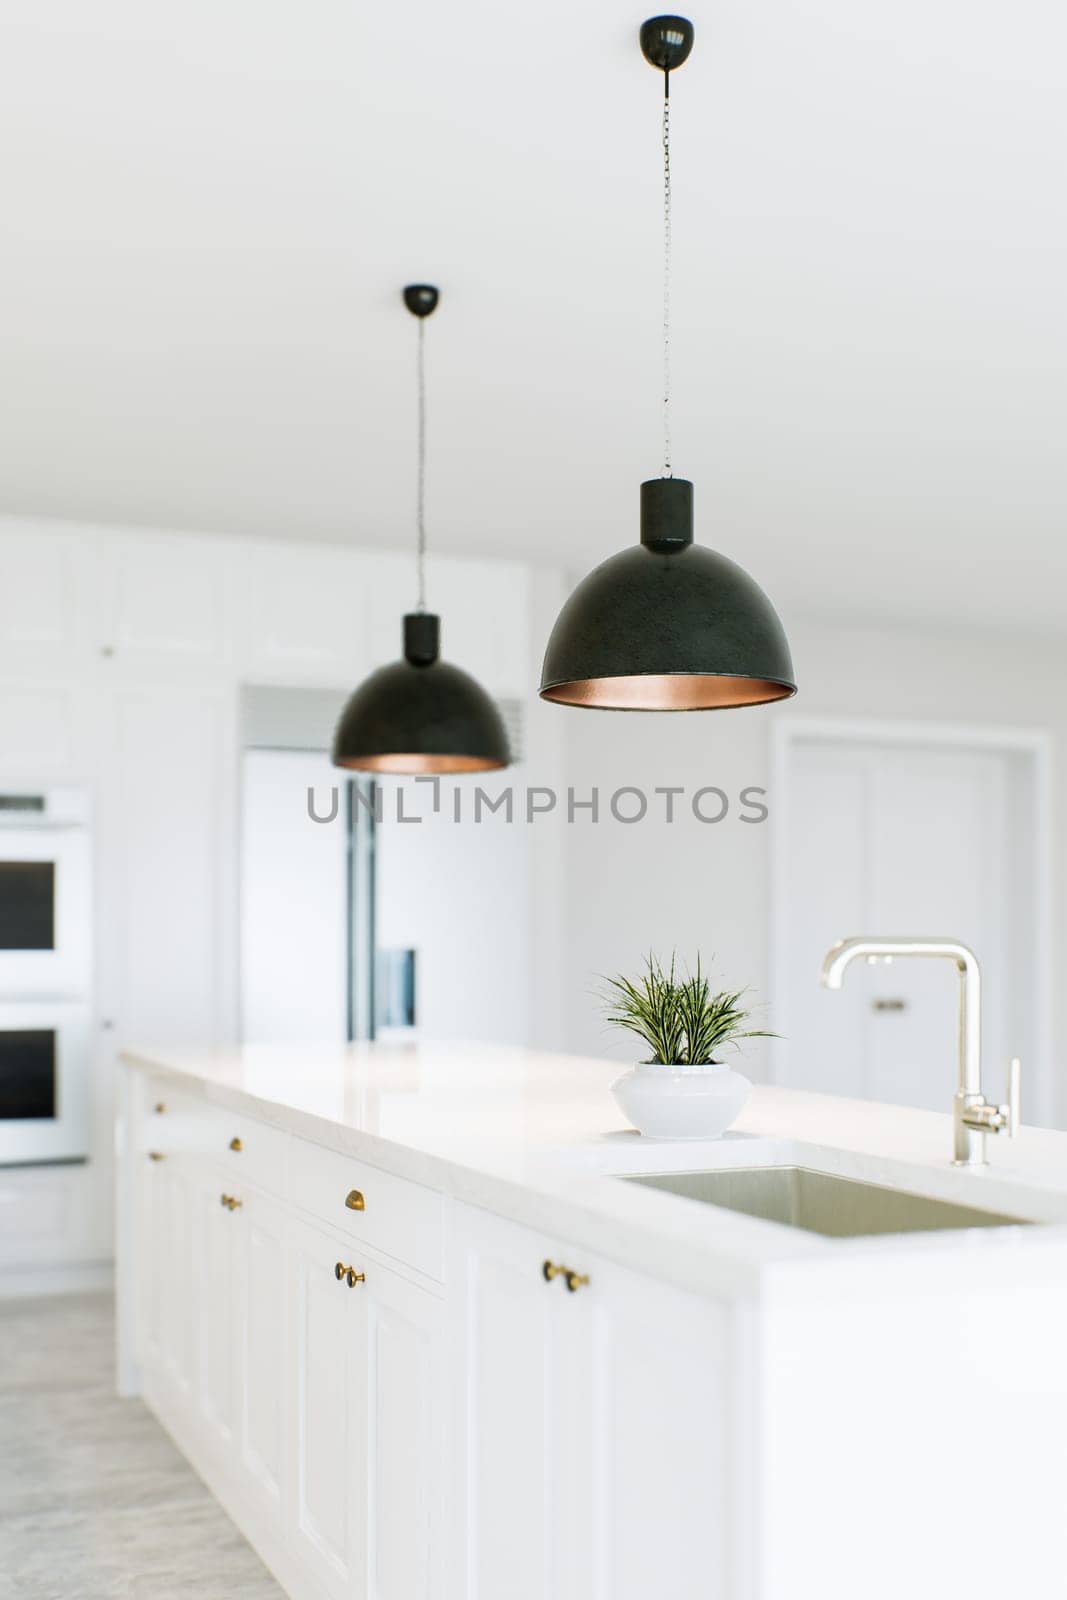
pixel 420 714
pixel 667 625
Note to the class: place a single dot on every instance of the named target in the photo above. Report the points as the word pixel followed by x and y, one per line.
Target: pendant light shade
pixel 667 625
pixel 420 714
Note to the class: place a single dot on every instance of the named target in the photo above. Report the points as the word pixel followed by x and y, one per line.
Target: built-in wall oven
pixel 45 973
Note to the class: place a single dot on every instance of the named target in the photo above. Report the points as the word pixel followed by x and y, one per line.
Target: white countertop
pixel 538 1138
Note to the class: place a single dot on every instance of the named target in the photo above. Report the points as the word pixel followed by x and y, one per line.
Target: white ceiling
pixel 208 209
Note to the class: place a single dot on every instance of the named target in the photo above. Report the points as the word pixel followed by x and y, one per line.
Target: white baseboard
pixel 77 1277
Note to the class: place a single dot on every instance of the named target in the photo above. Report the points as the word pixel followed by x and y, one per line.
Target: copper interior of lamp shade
pixel 667 691
pixel 420 763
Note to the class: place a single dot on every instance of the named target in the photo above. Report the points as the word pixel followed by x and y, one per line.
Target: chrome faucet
pixel 973 1115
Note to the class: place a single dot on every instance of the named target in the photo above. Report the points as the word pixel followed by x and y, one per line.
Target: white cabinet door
pixel 592 1429
pixel 658 1364
pixel 514 1331
pixel 149 1258
pixel 46 592
pixel 218 1246
pixel 262 1350
pixel 178 1280
pixel 398 1416
pixel 324 1456
pixel 164 601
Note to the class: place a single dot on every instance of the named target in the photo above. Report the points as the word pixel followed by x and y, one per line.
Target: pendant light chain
pixel 668 471
pixel 421 494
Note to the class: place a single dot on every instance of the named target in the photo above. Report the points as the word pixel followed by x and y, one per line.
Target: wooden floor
pixel 95 1501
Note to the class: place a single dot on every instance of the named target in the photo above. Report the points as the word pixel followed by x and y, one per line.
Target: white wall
pixel 697 887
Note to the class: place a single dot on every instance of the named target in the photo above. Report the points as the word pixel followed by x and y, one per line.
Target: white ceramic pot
pixel 681 1102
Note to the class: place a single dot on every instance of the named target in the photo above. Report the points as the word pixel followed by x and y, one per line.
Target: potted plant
pixel 681 1090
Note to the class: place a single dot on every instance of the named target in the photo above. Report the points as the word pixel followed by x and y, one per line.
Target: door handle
pixel 893 1004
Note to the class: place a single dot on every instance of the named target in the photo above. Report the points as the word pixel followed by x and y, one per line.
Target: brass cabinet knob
pixel 155 1155
pixel 235 1143
pixel 229 1201
pixel 348 1274
pixel 354 1200
pixel 573 1280
pixel 159 1108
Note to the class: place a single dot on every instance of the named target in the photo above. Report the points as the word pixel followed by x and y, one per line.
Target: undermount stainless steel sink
pixel 821 1202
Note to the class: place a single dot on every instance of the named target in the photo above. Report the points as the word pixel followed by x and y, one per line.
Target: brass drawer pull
pixel 348 1274
pixel 229 1201
pixel 573 1280
pixel 235 1143
pixel 159 1108
pixel 155 1155
pixel 354 1200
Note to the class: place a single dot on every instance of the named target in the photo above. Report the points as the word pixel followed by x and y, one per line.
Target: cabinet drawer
pixel 403 1219
pixel 250 1152
pixel 175 1123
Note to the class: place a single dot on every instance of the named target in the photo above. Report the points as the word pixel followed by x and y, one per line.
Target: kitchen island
pixel 409 1319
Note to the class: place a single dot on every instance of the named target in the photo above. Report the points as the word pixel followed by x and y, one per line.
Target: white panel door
pixel 902 839
pixel 398 1416
pixel 37 729
pixel 525 1426
pixel 42 599
pixel 570 1400
pixel 657 1362
pixel 166 601
pixel 218 1246
pixel 324 1453
pixel 149 1225
pixel 262 1349
pixel 179 1278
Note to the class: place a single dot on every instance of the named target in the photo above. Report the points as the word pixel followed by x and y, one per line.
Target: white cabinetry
pixel 262 1349
pixel 323 1455
pixel 592 1426
pixel 395 1402
pixel 400 1384
pixel 366 1403
pixel 314 1406
pixel 218 1250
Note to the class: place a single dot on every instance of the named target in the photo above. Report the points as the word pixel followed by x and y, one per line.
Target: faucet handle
pixel 1011 1110
pixel 982 1116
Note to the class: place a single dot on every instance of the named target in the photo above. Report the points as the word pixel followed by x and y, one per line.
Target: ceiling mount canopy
pixel 667 625
pixel 420 714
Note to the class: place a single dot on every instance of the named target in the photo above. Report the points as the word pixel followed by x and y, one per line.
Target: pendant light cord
pixel 421 481
pixel 668 471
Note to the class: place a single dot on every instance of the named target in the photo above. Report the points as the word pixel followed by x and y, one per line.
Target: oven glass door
pixel 44 1080
pixel 44 911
